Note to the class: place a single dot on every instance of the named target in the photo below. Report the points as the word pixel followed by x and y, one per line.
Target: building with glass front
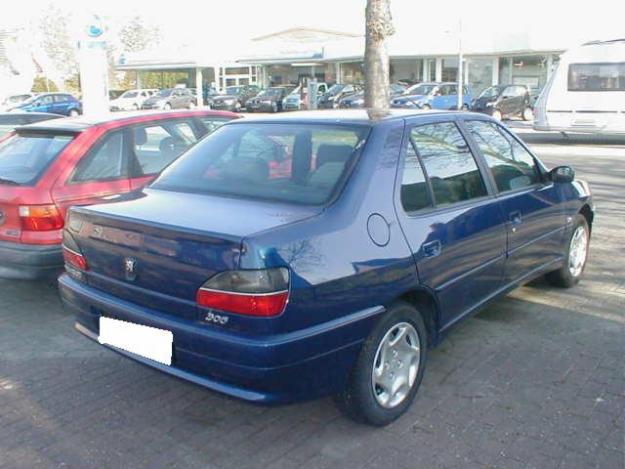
pixel 293 55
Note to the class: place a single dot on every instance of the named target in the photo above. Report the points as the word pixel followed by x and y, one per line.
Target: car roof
pixel 78 124
pixel 340 116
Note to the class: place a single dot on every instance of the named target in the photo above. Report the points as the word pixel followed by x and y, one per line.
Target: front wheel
pixel 497 114
pixel 464 108
pixel 167 107
pixel 569 274
pixel 74 113
pixel 274 107
pixel 191 105
pixel 389 369
pixel 426 107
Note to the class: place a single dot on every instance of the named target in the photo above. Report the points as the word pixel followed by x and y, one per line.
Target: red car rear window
pixel 25 156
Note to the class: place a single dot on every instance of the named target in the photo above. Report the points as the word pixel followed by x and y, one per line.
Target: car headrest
pixel 327 153
pixel 141 136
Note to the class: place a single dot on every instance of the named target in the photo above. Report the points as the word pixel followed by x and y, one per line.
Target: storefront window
pixel 352 73
pixel 450 69
pixel 406 70
pixel 480 74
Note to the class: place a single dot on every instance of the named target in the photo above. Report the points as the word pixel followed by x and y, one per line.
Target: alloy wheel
pixel 578 251
pixel 396 365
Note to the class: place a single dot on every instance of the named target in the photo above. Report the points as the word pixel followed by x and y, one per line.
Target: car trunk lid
pixel 161 247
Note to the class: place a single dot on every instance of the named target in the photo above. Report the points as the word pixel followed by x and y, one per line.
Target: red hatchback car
pixel 47 167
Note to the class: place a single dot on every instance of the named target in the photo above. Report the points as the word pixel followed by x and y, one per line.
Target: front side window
pixel 25 156
pixel 597 77
pixel 104 162
pixel 449 163
pixel 156 146
pixel 295 163
pixel 512 166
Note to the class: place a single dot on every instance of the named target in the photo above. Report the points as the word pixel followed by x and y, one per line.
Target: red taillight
pixel 261 293
pixel 40 218
pixel 266 305
pixel 74 259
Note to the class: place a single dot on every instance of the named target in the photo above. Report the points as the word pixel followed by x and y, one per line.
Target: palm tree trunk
pixel 378 27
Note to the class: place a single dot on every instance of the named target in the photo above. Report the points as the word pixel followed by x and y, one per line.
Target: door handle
pixel 515 220
pixel 432 249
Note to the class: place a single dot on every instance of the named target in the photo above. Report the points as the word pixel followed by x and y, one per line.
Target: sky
pixel 210 20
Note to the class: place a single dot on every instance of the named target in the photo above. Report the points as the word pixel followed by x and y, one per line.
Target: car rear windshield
pixel 597 77
pixel 25 156
pixel 293 163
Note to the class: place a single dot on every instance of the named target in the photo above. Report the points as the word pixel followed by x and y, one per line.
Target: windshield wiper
pixel 9 182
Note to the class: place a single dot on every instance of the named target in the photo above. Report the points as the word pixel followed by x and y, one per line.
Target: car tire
pixel 426 107
pixel 464 108
pixel 496 114
pixel 364 398
pixel 191 105
pixel 274 107
pixel 527 114
pixel 73 113
pixel 167 107
pixel 575 258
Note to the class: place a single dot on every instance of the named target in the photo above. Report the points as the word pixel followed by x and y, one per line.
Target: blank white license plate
pixel 148 342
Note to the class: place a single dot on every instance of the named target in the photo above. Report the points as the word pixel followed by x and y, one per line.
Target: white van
pixel 586 93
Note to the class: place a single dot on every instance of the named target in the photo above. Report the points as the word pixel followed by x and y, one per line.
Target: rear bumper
pixel 29 262
pixel 270 369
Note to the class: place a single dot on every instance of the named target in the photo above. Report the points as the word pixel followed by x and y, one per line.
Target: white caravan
pixel 586 92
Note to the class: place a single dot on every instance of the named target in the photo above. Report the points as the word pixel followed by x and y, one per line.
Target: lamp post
pixel 460 67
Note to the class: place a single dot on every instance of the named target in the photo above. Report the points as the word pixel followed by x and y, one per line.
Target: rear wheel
pixel 497 114
pixel 191 105
pixel 274 107
pixel 135 107
pixel 426 107
pixel 389 369
pixel 575 261
pixel 167 107
pixel 465 107
pixel 528 114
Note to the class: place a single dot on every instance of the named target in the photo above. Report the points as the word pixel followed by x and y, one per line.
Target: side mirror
pixel 562 174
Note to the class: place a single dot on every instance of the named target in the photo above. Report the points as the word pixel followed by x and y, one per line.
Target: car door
pixel 453 225
pixel 439 100
pixel 156 145
pixel 531 205
pixel 60 104
pixel 44 104
pixel 101 175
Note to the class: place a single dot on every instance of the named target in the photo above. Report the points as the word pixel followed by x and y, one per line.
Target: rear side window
pixel 414 190
pixel 25 156
pixel 105 161
pixel 284 162
pixel 156 146
pixel 512 166
pixel 449 163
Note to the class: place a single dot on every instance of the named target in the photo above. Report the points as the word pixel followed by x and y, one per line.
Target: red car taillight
pixel 74 259
pixel 72 255
pixel 40 218
pixel 260 293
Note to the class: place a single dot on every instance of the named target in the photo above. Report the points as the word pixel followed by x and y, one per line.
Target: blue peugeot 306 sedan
pixel 295 256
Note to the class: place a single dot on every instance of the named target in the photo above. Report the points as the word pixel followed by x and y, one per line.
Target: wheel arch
pixel 588 214
pixel 426 303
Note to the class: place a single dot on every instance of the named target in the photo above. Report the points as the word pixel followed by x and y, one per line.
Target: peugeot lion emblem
pixel 130 268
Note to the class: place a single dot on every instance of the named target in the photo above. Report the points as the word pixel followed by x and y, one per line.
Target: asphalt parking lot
pixel 535 380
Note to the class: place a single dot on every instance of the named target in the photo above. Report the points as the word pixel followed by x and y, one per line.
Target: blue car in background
pixel 426 96
pixel 266 265
pixel 54 103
